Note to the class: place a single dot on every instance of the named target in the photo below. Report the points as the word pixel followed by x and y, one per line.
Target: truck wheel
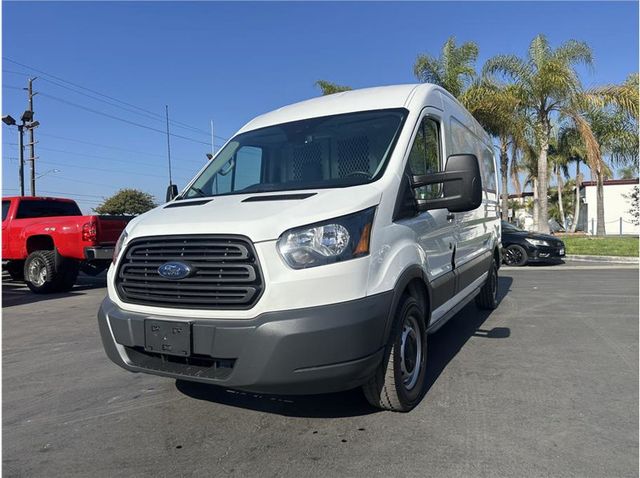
pixel 16 270
pixel 488 297
pixel 68 275
pixel 399 383
pixel 41 276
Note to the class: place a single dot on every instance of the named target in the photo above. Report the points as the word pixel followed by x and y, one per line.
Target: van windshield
pixel 327 152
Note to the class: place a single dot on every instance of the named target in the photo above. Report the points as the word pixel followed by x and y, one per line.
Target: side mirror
pixel 462 185
pixel 172 192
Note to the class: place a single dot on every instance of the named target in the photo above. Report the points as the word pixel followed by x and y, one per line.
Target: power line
pixel 130 110
pixel 58 163
pixel 157 115
pixel 95 156
pixel 74 153
pixel 133 123
pixel 115 148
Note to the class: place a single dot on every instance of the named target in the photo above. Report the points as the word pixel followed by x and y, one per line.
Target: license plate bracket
pixel 166 337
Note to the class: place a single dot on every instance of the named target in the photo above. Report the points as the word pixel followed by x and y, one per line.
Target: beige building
pixel 616 206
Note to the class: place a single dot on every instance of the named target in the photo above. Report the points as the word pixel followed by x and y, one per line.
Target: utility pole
pixel 32 141
pixel 21 167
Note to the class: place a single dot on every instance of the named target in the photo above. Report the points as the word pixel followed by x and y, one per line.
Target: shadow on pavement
pixel 17 293
pixel 547 264
pixel 443 347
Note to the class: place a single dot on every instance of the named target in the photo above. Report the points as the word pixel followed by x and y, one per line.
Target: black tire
pixel 515 255
pixel 487 299
pixel 15 269
pixel 391 387
pixel 68 275
pixel 41 276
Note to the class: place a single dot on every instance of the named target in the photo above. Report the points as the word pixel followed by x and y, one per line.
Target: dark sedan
pixel 522 247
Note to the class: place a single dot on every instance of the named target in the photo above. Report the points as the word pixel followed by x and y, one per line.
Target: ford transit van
pixel 316 251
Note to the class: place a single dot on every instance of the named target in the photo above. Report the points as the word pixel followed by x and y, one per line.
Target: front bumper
pixel 313 350
pixel 546 254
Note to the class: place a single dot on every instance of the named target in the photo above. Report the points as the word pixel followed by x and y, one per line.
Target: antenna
pixel 168 145
pixel 213 147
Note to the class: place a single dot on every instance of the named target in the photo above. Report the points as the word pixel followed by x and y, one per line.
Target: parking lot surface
pixel 546 385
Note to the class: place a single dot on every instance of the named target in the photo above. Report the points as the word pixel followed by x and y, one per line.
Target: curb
pixel 609 259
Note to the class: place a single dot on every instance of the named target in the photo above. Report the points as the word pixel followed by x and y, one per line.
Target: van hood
pixel 260 217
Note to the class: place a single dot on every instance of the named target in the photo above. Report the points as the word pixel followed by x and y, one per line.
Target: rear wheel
pixel 399 383
pixel 41 275
pixel 515 255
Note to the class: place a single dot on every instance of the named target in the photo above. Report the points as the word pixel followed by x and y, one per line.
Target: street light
pixel 27 123
pixel 51 171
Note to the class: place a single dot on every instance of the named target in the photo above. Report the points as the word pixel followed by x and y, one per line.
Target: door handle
pixel 450 217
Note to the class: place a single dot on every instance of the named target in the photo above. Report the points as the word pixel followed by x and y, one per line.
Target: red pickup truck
pixel 47 241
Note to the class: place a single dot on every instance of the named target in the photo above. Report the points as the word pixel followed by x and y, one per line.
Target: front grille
pixel 226 273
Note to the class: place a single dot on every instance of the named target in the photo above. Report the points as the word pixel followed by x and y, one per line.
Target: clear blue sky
pixel 230 62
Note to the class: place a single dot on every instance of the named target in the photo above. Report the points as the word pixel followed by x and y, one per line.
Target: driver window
pixel 247 168
pixel 424 157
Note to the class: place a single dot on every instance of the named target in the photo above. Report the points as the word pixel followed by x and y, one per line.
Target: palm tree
pixel 560 168
pixel 497 109
pixel 571 149
pixel 549 84
pixel 618 138
pixel 453 70
pixel 329 88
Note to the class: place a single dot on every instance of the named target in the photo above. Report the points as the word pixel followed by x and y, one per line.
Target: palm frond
pixel 329 88
pixel 574 52
pixel 592 147
pixel 539 51
pixel 509 66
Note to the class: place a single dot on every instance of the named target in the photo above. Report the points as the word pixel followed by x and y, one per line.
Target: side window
pixel 5 209
pixel 248 167
pixel 488 170
pixel 424 157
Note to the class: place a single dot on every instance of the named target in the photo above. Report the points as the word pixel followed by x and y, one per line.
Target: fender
pixel 409 274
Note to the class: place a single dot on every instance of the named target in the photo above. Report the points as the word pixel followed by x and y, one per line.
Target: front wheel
pixel 515 255
pixel 487 298
pixel 399 382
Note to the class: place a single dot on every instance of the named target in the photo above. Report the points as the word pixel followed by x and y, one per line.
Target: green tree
pixel 454 69
pixel 628 172
pixel 329 88
pixel 634 203
pixel 548 84
pixel 130 202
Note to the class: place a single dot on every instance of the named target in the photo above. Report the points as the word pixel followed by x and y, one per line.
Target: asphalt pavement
pixel 546 385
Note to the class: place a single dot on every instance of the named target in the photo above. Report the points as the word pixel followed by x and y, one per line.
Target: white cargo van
pixel 316 251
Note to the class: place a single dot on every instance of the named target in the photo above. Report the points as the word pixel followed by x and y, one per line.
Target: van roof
pixel 381 97
pixel 366 99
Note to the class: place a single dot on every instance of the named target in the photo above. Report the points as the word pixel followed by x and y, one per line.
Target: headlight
pixel 336 240
pixel 537 242
pixel 120 242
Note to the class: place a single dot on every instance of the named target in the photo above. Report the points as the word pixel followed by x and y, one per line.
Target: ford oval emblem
pixel 174 270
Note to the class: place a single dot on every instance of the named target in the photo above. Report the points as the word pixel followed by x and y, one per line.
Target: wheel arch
pixel 413 281
pixel 40 242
